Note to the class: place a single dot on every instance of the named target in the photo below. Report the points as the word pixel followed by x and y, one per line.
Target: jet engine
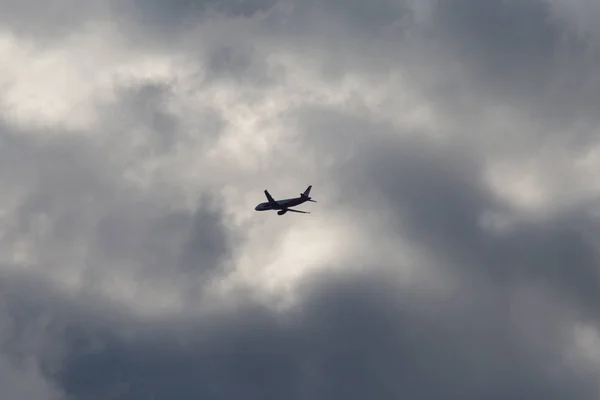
pixel 281 212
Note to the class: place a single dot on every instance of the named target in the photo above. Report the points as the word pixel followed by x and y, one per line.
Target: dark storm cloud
pixel 352 337
pixel 31 314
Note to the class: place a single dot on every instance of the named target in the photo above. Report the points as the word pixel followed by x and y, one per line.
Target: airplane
pixel 284 205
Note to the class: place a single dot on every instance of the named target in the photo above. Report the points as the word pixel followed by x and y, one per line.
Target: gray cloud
pixel 520 52
pixel 72 196
pixel 178 11
pixel 71 199
pixel 467 56
pixel 442 205
pixel 109 207
pixel 436 191
pixel 144 110
pixel 46 23
pixel 145 106
pixel 351 337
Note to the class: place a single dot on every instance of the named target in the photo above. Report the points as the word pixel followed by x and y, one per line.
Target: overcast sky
pixel 453 148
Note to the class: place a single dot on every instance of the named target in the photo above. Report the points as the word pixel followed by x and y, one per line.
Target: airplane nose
pixel 257 208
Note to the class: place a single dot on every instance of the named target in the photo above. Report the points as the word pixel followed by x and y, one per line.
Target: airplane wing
pixel 298 211
pixel 269 197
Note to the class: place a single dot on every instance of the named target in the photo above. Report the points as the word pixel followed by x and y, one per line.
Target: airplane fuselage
pixel 284 205
pixel 280 204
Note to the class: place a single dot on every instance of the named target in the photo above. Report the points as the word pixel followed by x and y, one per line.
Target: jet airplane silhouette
pixel 284 205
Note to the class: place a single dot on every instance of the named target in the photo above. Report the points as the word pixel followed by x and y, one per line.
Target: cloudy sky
pixel 453 148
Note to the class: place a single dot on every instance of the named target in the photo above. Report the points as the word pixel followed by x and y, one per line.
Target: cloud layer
pixel 452 148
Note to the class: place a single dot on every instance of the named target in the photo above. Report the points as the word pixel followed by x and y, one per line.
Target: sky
pixel 453 150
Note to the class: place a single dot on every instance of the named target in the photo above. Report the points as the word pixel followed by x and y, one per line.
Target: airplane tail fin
pixel 307 191
pixel 306 194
